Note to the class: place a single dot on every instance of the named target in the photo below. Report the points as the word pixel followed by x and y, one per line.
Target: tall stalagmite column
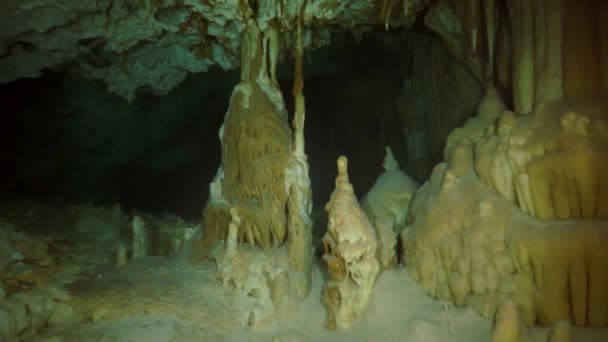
pixel 264 171
pixel 299 223
pixel 256 148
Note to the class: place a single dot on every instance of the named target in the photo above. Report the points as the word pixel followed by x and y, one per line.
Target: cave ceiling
pixel 152 45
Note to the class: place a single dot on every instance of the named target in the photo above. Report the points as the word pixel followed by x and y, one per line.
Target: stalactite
pixel 603 28
pixel 299 203
pixel 540 38
pixel 298 89
pixel 384 9
pixel 520 12
pixel 272 36
pixel 472 22
pixel 548 51
pixel 249 46
pixel 489 7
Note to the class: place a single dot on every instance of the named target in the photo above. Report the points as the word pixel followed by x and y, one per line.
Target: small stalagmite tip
pixel 342 165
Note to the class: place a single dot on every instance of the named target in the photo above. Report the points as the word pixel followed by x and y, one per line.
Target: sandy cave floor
pixel 160 298
pixel 169 299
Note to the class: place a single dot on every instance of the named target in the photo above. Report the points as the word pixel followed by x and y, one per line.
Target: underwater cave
pixel 307 170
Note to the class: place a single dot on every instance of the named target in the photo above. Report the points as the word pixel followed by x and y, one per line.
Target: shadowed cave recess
pixel 307 170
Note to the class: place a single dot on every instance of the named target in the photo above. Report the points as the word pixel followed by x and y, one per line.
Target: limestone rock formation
pixel 160 235
pixel 350 254
pixel 552 163
pixel 256 148
pixel 141 240
pixel 532 49
pixel 152 45
pixel 560 332
pixel 522 190
pixel 260 200
pixel 259 279
pixel 508 327
pixel 473 246
pixel 386 205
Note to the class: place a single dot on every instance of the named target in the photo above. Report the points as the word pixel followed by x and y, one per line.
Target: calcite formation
pixel 141 239
pixel 531 48
pixel 386 205
pixel 256 148
pixel 518 210
pixel 259 279
pixel 508 327
pixel 260 199
pixel 350 254
pixel 152 45
pixel 560 332
pixel 470 245
pixel 159 236
pixel 551 164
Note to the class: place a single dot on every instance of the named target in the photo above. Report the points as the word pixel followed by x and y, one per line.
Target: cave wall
pixel 437 95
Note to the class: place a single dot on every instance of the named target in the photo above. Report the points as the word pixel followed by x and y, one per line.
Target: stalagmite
pixel 256 149
pixel 350 254
pixel 121 255
pixel 260 200
pixel 233 231
pixel 560 332
pixel 141 240
pixel 508 326
pixel 551 269
pixel 386 205
pixel 549 164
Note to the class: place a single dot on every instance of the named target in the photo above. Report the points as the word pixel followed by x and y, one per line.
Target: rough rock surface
pixel 154 44
pixel 551 163
pixel 350 254
pixel 474 247
pixel 44 249
pixel 386 205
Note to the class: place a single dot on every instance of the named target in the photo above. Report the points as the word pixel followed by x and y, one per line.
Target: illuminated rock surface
pixel 350 254
pixel 133 44
pixel 386 206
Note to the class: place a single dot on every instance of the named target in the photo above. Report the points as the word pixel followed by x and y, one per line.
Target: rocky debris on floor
pixel 43 248
pixel 25 313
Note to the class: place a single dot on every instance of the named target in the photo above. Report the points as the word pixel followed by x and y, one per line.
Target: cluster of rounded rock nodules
pixel 483 228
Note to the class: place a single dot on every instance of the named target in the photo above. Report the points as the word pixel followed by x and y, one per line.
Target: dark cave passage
pixel 66 139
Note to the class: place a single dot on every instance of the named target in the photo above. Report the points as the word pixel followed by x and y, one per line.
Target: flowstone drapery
pixel 518 210
pixel 470 245
pixel 260 199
